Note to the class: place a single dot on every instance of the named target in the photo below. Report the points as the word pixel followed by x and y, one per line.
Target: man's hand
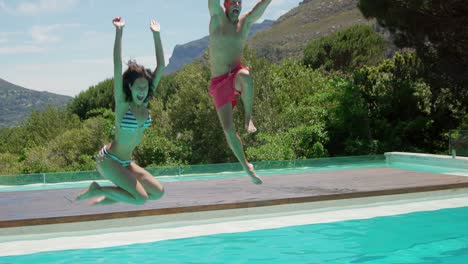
pixel 118 23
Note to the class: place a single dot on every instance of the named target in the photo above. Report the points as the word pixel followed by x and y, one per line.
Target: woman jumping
pixel 132 91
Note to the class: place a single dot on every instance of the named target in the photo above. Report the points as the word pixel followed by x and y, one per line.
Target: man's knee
pixel 244 73
pixel 243 76
pixel 243 80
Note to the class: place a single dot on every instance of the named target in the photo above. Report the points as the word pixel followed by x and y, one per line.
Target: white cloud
pixel 60 78
pixel 275 3
pixel 46 34
pixel 3 6
pixel 3 37
pixel 92 39
pixel 147 61
pixel 106 62
pixel 12 44
pixel 92 34
pixel 247 5
pixel 275 9
pixel 275 13
pixel 167 56
pixel 15 44
pixel 34 7
pixel 43 34
pixel 21 49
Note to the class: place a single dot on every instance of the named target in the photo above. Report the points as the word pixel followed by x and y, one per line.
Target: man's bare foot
pixel 253 176
pixel 91 192
pixel 97 199
pixel 250 127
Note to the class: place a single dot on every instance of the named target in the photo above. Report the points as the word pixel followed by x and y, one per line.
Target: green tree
pixel 72 150
pixel 393 102
pixel 8 135
pixel 290 111
pixel 100 96
pixel 9 164
pixel 346 50
pixel 167 88
pixel 436 29
pixel 159 145
pixel 195 124
pixel 41 127
pixel 464 123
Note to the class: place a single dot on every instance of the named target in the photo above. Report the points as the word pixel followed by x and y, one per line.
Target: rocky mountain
pixel 16 102
pixel 187 53
pixel 289 35
pixel 311 20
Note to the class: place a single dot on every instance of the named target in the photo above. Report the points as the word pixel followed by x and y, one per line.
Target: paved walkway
pixel 54 206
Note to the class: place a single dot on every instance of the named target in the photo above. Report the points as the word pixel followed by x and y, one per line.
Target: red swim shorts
pixel 222 88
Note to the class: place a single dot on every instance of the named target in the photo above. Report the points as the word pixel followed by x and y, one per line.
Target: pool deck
pixel 30 208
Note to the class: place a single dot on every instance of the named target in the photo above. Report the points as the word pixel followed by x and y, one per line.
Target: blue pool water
pixel 422 237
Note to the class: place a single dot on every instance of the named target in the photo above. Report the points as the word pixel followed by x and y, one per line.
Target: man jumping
pixel 228 34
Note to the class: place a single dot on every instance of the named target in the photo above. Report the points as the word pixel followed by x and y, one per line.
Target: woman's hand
pixel 118 23
pixel 155 26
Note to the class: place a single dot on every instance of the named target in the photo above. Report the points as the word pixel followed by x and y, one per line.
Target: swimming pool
pixel 406 231
pixel 422 227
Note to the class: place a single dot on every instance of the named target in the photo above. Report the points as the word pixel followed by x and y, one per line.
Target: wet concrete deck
pixel 27 208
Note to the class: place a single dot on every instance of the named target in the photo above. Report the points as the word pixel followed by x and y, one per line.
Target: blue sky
pixel 65 46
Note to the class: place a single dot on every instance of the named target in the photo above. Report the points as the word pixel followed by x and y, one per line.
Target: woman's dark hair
pixel 133 72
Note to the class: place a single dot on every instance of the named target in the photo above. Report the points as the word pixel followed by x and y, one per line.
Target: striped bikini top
pixel 129 122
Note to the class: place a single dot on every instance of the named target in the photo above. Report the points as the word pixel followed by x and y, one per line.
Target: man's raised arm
pixel 257 11
pixel 215 7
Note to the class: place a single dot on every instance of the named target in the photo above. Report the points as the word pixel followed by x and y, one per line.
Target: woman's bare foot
pixel 250 127
pixel 91 192
pixel 253 176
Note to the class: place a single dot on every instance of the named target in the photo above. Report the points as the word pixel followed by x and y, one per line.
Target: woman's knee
pixel 156 195
pixel 141 198
pixel 139 194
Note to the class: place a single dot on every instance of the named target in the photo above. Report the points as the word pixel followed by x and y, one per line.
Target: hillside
pixel 16 102
pixel 187 53
pixel 311 20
